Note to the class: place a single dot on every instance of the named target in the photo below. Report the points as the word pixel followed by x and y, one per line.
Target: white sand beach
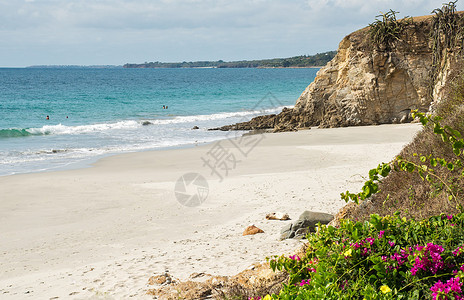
pixel 101 232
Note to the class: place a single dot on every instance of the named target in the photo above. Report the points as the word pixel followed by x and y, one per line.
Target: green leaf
pixel 415 295
pixel 433 162
pixel 444 137
pixel 453 131
pixel 458 144
pixel 372 278
pixel 410 167
pixel 437 129
pixel 385 170
pixel 423 158
pixel 366 190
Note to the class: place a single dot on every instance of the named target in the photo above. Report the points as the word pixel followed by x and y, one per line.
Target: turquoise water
pixel 93 112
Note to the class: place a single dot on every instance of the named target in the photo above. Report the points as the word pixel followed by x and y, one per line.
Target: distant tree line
pixel 302 61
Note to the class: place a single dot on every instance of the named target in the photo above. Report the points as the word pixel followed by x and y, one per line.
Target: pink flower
pixel 381 233
pixel 452 288
pixel 429 260
pixel 370 240
pixel 305 282
pixel 391 243
pixel 457 251
pixel 311 270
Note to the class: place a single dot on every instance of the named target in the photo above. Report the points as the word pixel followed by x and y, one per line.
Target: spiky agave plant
pixel 388 29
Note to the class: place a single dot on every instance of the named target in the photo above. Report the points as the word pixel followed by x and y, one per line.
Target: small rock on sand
pixel 252 229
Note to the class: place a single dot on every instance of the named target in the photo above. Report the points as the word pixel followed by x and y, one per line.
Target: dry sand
pixel 101 232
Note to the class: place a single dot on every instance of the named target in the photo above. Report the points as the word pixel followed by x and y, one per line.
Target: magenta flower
pixel 428 261
pixel 370 240
pixel 311 270
pixel 457 251
pixel 381 233
pixel 451 288
pixel 305 282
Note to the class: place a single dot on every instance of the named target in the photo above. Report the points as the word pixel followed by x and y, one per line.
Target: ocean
pixel 96 112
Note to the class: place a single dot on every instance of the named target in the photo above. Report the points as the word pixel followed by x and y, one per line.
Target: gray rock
pixel 196 127
pixel 310 219
pixel 306 223
pixel 301 233
pixel 286 232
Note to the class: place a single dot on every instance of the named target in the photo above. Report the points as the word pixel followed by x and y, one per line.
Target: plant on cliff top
pixel 447 34
pixel 387 30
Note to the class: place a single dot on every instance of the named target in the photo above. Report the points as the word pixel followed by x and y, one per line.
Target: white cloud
pixel 117 31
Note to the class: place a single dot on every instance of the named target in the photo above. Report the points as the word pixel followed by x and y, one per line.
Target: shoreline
pixel 104 230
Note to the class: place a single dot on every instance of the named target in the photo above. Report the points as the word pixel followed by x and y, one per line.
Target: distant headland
pixel 302 61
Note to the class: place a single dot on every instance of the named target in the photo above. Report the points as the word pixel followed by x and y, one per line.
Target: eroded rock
pixel 367 85
pixel 306 223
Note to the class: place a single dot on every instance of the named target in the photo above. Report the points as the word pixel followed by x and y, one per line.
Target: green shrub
pixel 384 258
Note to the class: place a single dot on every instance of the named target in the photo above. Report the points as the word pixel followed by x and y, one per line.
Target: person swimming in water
pixel 47 118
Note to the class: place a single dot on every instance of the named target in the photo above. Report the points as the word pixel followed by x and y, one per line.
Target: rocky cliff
pixel 367 84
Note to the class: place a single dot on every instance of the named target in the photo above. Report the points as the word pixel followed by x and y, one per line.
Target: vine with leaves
pixel 427 172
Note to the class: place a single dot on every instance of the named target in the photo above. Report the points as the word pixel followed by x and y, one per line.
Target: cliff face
pixel 361 86
pixel 365 85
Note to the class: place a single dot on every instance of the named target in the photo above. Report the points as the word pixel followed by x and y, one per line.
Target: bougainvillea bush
pixel 384 258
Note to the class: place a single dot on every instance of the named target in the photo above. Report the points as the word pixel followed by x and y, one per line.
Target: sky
pixel 115 32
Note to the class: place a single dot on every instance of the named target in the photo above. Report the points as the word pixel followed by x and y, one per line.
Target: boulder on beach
pixel 306 223
pixel 196 127
pixel 252 229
